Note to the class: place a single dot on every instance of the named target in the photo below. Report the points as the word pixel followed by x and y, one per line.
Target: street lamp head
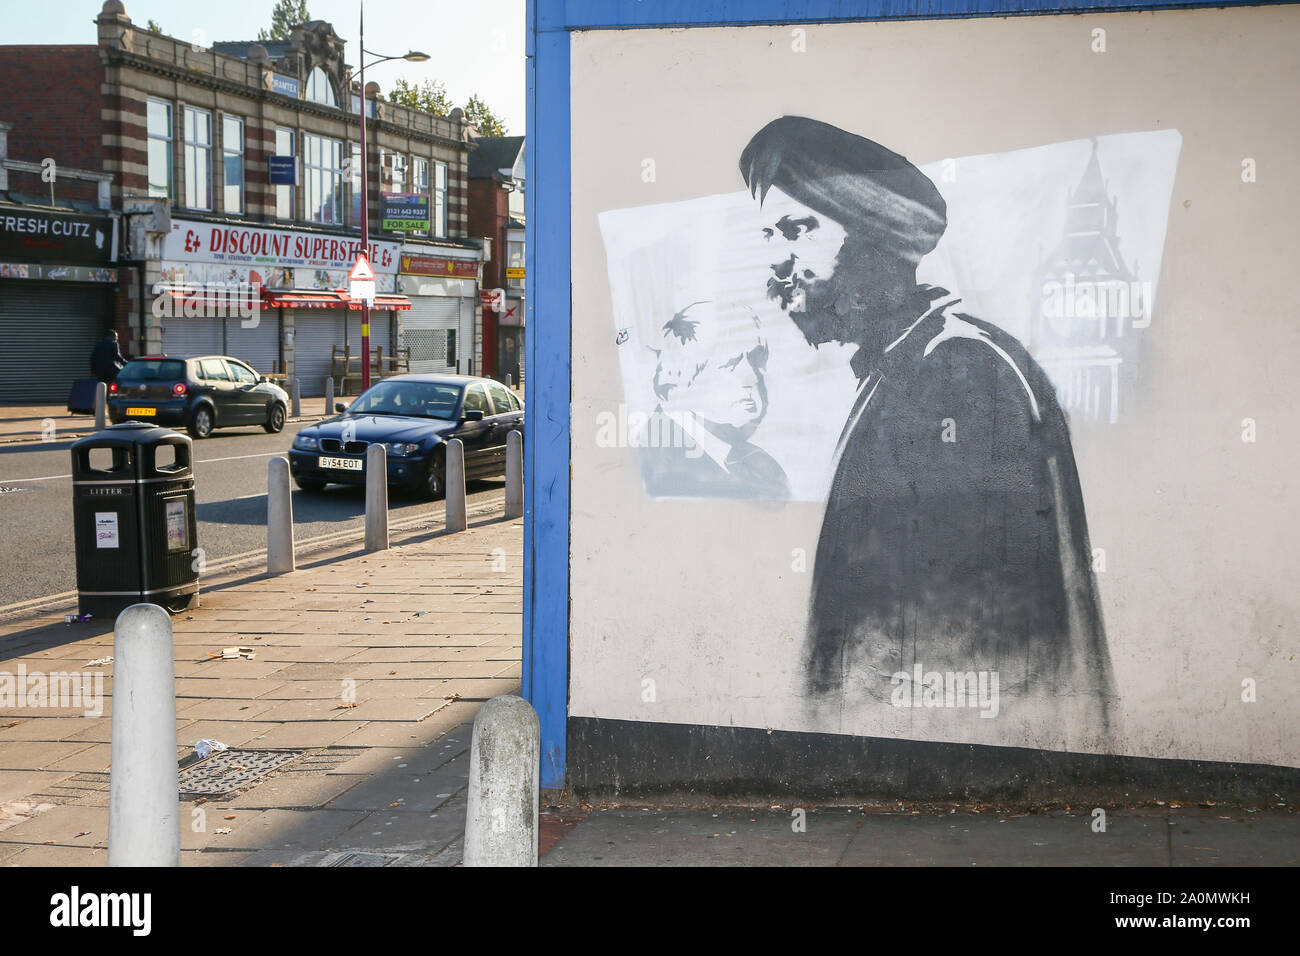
pixel 415 56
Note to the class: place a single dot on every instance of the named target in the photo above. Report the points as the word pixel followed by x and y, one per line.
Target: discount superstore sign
pixel 245 245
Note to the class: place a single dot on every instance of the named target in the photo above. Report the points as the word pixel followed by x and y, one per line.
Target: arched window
pixel 320 89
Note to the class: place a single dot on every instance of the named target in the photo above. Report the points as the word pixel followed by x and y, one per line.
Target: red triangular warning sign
pixel 361 270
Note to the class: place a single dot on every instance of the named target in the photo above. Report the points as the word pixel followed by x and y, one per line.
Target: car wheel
pixel 201 422
pixel 310 485
pixel 434 485
pixel 275 420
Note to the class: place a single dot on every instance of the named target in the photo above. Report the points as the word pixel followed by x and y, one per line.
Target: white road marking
pixel 201 461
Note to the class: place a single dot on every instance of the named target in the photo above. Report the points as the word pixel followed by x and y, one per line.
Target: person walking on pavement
pixel 106 360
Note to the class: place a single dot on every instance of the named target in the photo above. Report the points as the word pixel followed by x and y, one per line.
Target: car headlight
pixel 306 443
pixel 401 449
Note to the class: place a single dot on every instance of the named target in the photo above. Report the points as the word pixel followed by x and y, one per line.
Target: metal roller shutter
pixel 49 330
pixel 192 336
pixel 316 332
pixel 259 346
pixel 424 332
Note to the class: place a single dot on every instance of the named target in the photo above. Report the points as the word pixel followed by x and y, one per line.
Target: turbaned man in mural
pixel 954 538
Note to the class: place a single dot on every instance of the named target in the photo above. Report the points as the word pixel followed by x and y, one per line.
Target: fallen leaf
pixel 12 723
pixel 231 817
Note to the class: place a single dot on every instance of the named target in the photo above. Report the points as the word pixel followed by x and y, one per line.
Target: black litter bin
pixel 133 514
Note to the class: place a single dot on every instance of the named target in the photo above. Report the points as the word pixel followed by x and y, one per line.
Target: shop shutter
pixel 424 332
pixel 316 332
pixel 49 330
pixel 187 337
pixel 258 346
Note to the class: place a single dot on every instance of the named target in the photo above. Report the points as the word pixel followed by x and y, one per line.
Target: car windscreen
pixel 152 370
pixel 420 399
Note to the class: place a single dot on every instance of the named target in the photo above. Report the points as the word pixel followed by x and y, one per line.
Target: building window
pixel 320 89
pixel 392 172
pixel 324 178
pixel 514 260
pixel 232 163
pixel 284 195
pixel 198 158
pixel 440 200
pixel 516 202
pixel 354 174
pixel 160 149
pixel 420 185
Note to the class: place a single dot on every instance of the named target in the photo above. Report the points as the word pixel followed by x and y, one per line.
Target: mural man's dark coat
pixel 955 534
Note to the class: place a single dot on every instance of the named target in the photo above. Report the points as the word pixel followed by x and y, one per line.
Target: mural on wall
pixel 903 344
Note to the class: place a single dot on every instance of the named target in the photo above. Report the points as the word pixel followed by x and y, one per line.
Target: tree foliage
pixel 154 26
pixel 285 15
pixel 480 116
pixel 429 97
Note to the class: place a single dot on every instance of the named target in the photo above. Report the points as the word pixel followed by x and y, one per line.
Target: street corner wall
pixel 933 420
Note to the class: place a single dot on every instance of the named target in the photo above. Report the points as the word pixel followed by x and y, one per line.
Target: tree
pixel 479 115
pixel 429 97
pixel 285 15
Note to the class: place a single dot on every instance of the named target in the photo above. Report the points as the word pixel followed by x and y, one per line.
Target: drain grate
pixel 364 859
pixel 228 771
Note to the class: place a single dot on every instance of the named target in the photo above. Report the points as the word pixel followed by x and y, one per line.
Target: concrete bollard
pixel 501 817
pixel 455 475
pixel 279 518
pixel 329 396
pixel 376 498
pixel 510 380
pixel 514 475
pixel 295 398
pixel 101 405
pixel 144 827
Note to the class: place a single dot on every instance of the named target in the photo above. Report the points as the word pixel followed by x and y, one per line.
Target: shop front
pixel 57 286
pixel 274 298
pixel 438 331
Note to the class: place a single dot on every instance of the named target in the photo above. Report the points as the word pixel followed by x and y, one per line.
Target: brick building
pixel 214 256
pixel 497 182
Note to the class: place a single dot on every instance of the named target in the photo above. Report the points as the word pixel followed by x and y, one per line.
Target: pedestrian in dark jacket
pixel 106 361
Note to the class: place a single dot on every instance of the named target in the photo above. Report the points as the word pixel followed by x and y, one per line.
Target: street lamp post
pixel 412 57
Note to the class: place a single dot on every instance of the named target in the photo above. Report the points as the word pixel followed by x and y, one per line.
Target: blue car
pixel 413 416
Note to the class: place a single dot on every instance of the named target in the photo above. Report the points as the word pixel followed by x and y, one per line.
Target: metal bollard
pixel 455 476
pixel 279 518
pixel 510 380
pixel 144 827
pixel 501 818
pixel 295 398
pixel 329 396
pixel 514 475
pixel 101 405
pixel 376 497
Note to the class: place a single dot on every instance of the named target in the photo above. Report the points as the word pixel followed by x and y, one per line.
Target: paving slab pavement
pixel 357 664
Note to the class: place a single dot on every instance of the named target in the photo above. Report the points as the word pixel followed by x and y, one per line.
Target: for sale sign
pixel 404 212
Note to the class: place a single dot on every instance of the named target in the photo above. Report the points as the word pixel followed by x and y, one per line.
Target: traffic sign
pixel 361 281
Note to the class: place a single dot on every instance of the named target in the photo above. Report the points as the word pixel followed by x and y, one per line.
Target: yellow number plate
pixel 142 411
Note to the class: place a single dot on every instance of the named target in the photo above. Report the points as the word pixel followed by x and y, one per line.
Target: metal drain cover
pixel 363 859
pixel 228 771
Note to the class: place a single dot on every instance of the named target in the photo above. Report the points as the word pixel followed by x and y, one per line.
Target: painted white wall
pixel 1198 527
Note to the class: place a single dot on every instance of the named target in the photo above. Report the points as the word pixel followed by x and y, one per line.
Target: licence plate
pixel 142 411
pixel 345 464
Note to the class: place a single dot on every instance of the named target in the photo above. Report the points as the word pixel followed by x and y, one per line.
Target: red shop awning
pixel 328 299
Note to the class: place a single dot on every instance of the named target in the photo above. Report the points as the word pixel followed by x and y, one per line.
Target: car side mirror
pixel 340 407
pixel 262 380
pixel 473 415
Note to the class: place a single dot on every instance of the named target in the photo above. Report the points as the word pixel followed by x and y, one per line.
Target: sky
pixel 477 46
